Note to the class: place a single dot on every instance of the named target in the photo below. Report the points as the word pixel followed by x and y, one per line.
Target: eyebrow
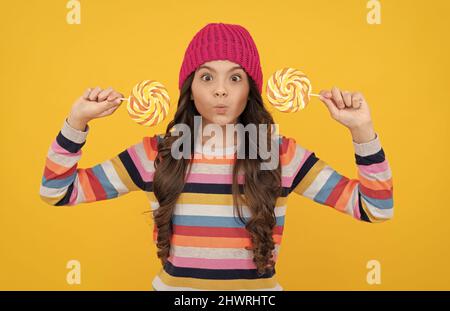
pixel 212 69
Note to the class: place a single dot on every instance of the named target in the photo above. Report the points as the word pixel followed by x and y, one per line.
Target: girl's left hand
pixel 348 108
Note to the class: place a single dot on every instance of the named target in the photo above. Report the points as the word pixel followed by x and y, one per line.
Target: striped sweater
pixel 209 245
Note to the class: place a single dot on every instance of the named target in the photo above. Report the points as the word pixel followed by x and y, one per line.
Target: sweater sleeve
pixel 369 197
pixel 63 183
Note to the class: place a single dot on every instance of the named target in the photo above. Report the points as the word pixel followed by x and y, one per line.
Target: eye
pixel 205 75
pixel 237 76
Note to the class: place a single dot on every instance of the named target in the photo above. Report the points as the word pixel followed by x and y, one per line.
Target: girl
pixel 194 201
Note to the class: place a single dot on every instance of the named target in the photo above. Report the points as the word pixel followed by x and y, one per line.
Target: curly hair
pixel 261 188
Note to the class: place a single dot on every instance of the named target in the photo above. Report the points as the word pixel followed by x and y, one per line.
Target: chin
pixel 222 120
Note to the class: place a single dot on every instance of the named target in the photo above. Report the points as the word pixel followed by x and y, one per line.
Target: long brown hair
pixel 260 188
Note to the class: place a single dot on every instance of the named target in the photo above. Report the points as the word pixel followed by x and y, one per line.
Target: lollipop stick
pixel 124 98
pixel 317 95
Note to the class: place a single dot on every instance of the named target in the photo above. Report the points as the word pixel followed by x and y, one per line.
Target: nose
pixel 220 93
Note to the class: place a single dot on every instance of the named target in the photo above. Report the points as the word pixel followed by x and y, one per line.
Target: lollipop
pixel 148 103
pixel 289 90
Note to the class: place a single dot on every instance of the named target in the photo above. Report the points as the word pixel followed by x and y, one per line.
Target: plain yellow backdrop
pixel 400 65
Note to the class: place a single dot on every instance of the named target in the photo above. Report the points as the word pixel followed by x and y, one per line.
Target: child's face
pixel 224 84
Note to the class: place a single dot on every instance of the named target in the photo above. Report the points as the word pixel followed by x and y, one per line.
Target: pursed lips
pixel 221 109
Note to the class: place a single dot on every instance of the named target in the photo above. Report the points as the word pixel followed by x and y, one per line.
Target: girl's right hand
pixel 94 103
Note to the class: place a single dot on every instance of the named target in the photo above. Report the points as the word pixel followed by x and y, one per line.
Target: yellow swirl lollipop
pixel 148 103
pixel 289 90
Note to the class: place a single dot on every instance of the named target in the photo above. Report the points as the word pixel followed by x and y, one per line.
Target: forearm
pixel 368 197
pixel 61 178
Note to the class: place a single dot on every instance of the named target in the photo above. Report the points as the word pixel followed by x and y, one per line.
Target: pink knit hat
pixel 219 41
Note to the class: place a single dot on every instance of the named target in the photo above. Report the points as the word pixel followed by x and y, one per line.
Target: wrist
pixel 77 123
pixel 363 133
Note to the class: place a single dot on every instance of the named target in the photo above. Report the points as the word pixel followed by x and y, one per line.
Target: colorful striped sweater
pixel 208 245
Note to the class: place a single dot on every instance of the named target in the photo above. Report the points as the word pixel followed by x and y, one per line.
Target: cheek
pixel 239 106
pixel 202 107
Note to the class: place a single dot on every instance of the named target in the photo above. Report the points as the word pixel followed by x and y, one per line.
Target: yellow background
pixel 401 66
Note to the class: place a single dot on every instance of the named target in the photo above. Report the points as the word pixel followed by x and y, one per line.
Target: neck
pixel 219 141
